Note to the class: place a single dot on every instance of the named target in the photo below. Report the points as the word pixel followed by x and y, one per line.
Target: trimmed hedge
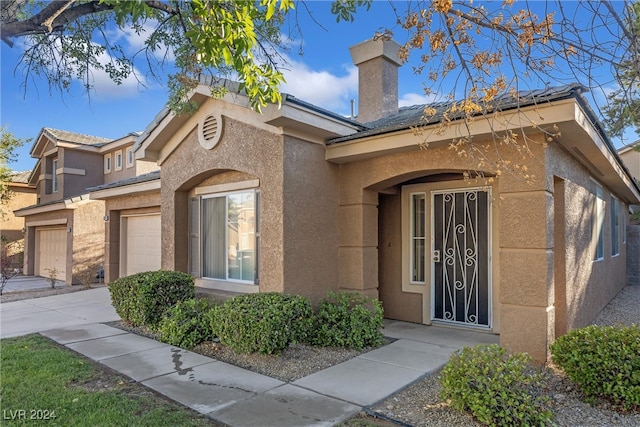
pixel 143 298
pixel 497 389
pixel 604 361
pixel 262 323
pixel 348 319
pixel 187 323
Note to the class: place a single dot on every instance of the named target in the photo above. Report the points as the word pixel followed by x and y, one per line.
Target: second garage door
pixel 141 249
pixel 52 252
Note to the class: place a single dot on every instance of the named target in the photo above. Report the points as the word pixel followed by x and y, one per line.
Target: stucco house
pixel 631 158
pixel 12 227
pixel 64 229
pixel 301 200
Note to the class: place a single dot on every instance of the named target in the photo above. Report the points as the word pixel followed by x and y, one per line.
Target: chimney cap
pixel 375 48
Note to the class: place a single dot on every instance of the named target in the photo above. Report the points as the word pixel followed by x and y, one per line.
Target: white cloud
pixel 409 99
pixel 321 88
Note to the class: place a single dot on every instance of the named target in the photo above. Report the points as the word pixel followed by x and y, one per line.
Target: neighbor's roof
pixel 413 116
pixel 21 177
pixel 76 138
pixel 151 176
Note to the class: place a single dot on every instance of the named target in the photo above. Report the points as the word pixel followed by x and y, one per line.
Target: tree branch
pixel 58 13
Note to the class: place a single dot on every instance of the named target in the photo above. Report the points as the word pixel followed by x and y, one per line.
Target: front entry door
pixel 461 258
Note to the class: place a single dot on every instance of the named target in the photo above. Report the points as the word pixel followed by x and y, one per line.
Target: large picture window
pixel 228 227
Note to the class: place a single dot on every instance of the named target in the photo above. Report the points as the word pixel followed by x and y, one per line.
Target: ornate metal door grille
pixel 461 257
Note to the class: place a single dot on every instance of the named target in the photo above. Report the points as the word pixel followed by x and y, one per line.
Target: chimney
pixel 377 62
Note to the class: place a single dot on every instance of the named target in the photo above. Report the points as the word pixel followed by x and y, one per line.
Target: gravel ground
pixel 39 293
pixel 419 405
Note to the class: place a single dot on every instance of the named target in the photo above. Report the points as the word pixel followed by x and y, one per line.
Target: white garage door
pixel 52 252
pixel 141 244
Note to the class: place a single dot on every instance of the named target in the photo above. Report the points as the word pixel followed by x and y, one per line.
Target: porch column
pixel 29 260
pixel 175 229
pixel 526 272
pixel 112 247
pixel 358 250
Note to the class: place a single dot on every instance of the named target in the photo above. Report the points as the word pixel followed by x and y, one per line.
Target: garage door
pixel 142 244
pixel 52 252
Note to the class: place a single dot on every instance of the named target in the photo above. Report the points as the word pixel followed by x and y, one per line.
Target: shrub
pixel 347 319
pixel 497 389
pixel 604 361
pixel 187 323
pixel 143 298
pixel 262 323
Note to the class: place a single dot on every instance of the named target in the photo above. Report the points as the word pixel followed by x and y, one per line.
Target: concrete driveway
pixel 41 314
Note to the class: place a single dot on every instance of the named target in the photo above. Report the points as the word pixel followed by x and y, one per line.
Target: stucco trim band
pixel 58 221
pixel 225 188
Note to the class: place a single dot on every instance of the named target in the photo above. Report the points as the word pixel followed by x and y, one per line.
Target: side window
pixel 54 176
pixel 118 160
pixel 129 155
pixel 615 226
pixel 107 163
pixel 418 244
pixel 597 220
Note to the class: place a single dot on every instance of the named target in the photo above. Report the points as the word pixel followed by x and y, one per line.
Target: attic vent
pixel 210 131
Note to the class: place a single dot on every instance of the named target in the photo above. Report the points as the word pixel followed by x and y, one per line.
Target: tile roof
pixel 408 117
pixel 76 138
pixel 20 176
pixel 151 176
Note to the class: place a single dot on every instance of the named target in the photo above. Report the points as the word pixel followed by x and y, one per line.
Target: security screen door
pixel 460 258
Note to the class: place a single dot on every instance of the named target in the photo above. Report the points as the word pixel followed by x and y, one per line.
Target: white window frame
pixel 130 159
pixel 597 220
pixel 54 176
pixel 615 226
pixel 413 238
pixel 107 163
pixel 256 231
pixel 118 160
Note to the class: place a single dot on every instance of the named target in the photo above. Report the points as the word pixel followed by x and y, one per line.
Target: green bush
pixel 262 323
pixel 143 298
pixel 498 389
pixel 187 323
pixel 604 361
pixel 348 319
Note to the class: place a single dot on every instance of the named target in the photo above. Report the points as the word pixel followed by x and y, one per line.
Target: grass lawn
pixel 42 383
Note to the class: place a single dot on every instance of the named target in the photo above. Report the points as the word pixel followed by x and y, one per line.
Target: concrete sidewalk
pixel 224 392
pixel 40 314
pixel 239 397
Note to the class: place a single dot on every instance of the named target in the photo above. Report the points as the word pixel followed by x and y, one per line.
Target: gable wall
pixel 242 148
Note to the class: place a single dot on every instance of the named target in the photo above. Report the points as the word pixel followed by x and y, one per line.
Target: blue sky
pixel 324 75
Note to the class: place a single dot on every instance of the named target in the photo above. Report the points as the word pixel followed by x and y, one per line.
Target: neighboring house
pixel 132 215
pixel 630 156
pixel 65 230
pixel 12 227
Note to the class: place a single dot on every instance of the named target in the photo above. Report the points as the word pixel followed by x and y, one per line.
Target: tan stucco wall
pixel 254 152
pixel 590 285
pixel 115 208
pixel 11 226
pixel 631 159
pixel 88 239
pixel 397 304
pixel 310 220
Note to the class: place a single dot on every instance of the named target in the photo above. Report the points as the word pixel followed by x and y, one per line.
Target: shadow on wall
pixel 589 286
pixel 633 254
